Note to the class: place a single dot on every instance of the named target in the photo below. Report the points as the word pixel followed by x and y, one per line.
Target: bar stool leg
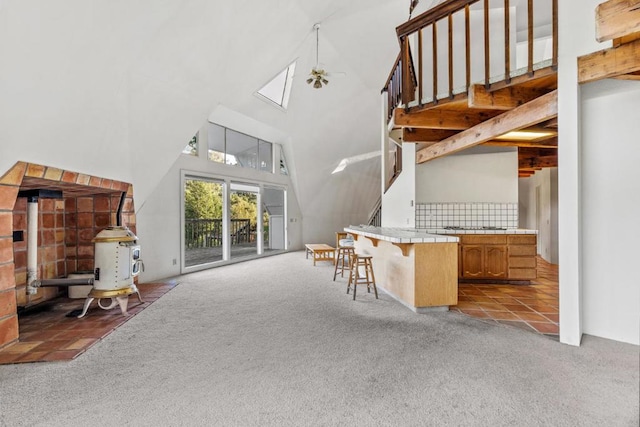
pixel 373 279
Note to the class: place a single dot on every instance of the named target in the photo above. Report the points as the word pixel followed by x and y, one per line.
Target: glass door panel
pixel 203 204
pixel 243 219
pixel 273 208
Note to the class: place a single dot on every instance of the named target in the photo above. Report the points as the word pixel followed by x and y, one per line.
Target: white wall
pixel 610 194
pixel 398 201
pixel 158 219
pixel 547 181
pixel 479 174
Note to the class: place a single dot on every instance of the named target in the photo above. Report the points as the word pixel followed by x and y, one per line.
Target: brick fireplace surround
pixel 65 230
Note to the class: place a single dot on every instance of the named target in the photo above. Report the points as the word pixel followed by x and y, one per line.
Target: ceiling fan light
pixel 317 84
pixel 325 81
pixel 309 80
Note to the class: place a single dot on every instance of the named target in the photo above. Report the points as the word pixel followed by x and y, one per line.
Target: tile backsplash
pixel 466 215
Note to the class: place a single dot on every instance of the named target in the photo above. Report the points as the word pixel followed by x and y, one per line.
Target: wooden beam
pixel 617 18
pixel 441 119
pixel 547 143
pixel 630 76
pixel 501 99
pixel 425 135
pixel 537 158
pixel 609 63
pixel 529 114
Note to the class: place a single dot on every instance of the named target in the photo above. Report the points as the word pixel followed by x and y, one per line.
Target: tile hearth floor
pixel 531 307
pixel 47 335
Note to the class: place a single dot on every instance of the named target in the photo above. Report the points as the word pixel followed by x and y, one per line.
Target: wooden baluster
pixel 530 36
pixel 420 67
pixel 450 19
pixel 467 42
pixel 554 11
pixel 487 63
pixel 435 63
pixel 507 43
pixel 407 86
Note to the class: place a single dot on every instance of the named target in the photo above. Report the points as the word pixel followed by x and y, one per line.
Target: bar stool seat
pixel 343 260
pixel 356 278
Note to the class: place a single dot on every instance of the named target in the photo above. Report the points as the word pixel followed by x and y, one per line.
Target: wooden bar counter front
pixel 420 270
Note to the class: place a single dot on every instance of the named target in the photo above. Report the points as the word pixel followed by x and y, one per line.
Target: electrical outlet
pixel 175 261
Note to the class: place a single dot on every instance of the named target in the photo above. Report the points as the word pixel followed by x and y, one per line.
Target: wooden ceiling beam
pixel 502 99
pixel 538 162
pixel 425 135
pixel 441 119
pixel 617 18
pixel 609 63
pixel 526 115
pixel 630 76
pixel 547 143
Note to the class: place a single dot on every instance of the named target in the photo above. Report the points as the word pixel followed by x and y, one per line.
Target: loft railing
pixel 461 42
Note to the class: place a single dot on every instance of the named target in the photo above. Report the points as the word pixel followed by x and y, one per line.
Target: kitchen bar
pixel 418 269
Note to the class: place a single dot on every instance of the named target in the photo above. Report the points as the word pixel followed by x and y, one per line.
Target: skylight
pixel 279 88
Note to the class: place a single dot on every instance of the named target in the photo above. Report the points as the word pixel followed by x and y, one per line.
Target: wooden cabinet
pixel 497 256
pixel 484 261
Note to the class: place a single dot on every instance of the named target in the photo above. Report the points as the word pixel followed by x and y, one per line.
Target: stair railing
pixel 461 25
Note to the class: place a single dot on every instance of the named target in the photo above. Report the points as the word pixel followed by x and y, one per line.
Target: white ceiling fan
pixel 318 77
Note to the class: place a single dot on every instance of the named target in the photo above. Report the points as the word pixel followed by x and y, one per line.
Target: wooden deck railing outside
pixel 207 233
pixel 461 42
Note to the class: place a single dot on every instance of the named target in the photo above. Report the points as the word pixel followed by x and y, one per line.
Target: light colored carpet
pixel 276 342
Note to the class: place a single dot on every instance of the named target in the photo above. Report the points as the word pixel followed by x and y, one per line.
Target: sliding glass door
pixel 228 220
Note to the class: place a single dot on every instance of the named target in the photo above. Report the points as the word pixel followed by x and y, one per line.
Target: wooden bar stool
pixel 356 278
pixel 343 260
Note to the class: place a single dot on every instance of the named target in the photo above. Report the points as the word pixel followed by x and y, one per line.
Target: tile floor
pixel 531 307
pixel 46 334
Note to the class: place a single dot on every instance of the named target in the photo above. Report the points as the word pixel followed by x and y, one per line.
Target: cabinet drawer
pixel 522 262
pixel 522 250
pixel 483 239
pixel 522 273
pixel 522 239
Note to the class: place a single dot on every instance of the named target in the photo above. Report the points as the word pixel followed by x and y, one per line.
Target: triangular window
pixel 278 89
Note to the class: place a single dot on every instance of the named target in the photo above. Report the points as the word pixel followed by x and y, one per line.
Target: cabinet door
pixel 472 261
pixel 495 261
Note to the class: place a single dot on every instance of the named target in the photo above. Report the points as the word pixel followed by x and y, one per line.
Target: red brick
pixel 7 303
pixel 20 259
pixel 7 277
pixel 86 235
pixel 19 221
pixel 35 171
pixel 47 205
pixel 21 205
pixel 85 251
pixel 14 175
pixel 48 220
pixel 54 174
pixel 85 204
pixel 6 223
pixel 6 250
pixel 102 204
pixel 8 196
pixel 83 179
pixel 69 176
pixel 48 237
pixel 85 220
pixel 95 181
pixel 69 205
pixel 103 219
pixel 8 330
pixel 70 220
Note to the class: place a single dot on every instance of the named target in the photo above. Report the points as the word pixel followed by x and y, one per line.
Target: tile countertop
pixel 478 231
pixel 400 235
pixel 431 235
